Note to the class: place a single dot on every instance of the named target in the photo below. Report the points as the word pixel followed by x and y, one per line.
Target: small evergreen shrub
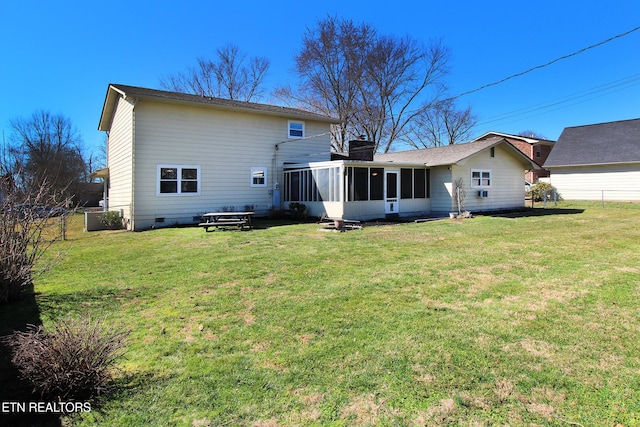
pixel 112 220
pixel 73 361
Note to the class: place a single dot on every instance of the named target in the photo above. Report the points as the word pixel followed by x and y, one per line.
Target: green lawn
pixel 525 320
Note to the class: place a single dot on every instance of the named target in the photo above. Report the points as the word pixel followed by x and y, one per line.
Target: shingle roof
pixel 449 154
pixel 162 95
pixel 597 144
pixel 509 137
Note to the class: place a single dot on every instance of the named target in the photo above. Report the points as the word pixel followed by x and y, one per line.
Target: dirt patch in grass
pixel 364 410
pixel 247 314
pixel 503 389
pixel 542 409
pixel 311 413
pixel 533 347
pixel 437 415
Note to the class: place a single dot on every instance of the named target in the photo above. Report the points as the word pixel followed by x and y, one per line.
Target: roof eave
pixel 165 97
pixel 592 164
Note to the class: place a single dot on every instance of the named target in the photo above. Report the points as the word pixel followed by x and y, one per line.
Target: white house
pixel 172 157
pixel 412 183
pixel 597 162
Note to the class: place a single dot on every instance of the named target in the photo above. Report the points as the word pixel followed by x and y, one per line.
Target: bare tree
pixel 26 224
pixel 531 134
pixel 46 148
pixel 330 65
pixel 441 124
pixel 230 76
pixel 401 72
pixel 374 84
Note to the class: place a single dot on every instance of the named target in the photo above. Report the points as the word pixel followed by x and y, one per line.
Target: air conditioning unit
pixel 483 194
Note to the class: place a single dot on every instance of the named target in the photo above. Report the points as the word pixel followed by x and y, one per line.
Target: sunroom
pixel 358 190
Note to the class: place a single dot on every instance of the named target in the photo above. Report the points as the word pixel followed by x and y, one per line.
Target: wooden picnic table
pixel 241 220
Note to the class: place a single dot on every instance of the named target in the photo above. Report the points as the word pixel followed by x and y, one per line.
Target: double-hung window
pixel 480 178
pixel 296 129
pixel 258 177
pixel 176 180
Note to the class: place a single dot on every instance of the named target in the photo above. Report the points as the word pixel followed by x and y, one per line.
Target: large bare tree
pixel 375 84
pixel 231 76
pixel 45 148
pixel 441 124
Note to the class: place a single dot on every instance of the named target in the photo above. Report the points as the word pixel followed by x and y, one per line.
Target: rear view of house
pixel 172 157
pixel 597 162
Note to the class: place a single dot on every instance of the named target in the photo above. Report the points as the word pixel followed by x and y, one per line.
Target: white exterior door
pixel 391 192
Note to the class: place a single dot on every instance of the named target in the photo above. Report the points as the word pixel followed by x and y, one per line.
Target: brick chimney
pixel 361 149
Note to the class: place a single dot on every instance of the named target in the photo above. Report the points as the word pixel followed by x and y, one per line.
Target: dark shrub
pixel 73 361
pixel 298 211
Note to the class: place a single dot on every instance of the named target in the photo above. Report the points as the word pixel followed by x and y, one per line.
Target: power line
pixel 547 64
pixel 592 93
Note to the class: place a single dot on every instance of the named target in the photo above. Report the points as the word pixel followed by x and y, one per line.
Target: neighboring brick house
pixel 536 149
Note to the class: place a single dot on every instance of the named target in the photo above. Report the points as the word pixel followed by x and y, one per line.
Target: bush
pixel 112 220
pixel 25 233
pixel 541 189
pixel 298 210
pixel 74 361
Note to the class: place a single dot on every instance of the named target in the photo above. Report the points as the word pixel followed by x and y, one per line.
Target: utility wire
pixel 592 93
pixel 547 64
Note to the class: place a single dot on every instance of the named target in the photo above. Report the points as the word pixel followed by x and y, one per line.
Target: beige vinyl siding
pixel 608 182
pixel 507 181
pixel 441 201
pixel 225 144
pixel 120 159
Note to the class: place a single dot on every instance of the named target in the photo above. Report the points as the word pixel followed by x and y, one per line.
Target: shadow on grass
pixel 533 212
pixel 16 316
pixel 61 305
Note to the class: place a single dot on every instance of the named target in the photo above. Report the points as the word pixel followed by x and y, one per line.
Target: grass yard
pixel 505 320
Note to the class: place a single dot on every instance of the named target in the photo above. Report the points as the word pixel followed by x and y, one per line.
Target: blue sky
pixel 60 56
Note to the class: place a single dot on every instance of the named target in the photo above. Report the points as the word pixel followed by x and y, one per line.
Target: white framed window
pixel 258 177
pixel 296 129
pixel 480 178
pixel 178 180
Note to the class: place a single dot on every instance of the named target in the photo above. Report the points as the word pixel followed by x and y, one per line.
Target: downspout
pixel 275 199
pixel 133 164
pixel 105 181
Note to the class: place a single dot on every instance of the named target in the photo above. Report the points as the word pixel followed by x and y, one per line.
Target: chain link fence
pixel 603 196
